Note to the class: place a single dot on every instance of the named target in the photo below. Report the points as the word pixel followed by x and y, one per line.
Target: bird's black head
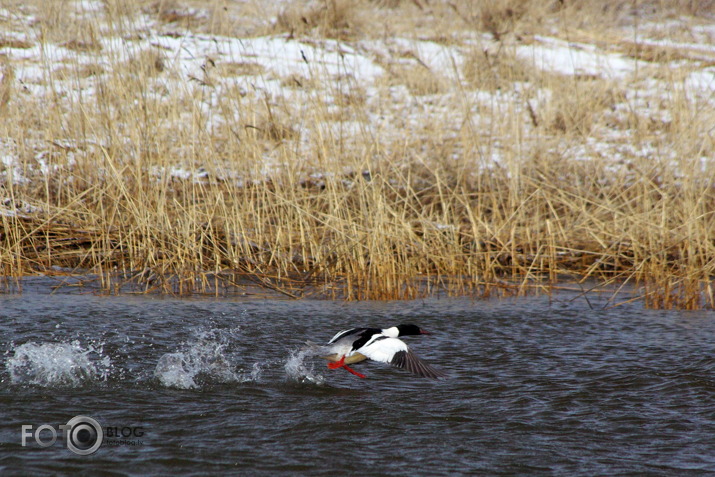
pixel 406 330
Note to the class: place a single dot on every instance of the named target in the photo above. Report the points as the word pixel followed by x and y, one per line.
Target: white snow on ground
pixel 278 58
pixel 570 58
pixel 11 167
pixel 701 81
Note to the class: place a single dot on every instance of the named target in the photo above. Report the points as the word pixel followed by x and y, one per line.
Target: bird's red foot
pixel 359 375
pixel 341 364
pixel 338 364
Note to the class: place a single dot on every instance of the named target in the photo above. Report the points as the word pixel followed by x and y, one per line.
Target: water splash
pixel 297 369
pixel 201 361
pixel 254 374
pixel 58 364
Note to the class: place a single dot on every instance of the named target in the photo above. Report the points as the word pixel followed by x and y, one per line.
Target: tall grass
pixel 153 187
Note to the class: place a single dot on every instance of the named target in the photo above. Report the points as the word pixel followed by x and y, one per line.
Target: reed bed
pixel 495 177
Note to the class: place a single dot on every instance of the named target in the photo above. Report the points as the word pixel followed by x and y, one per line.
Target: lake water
pixel 557 386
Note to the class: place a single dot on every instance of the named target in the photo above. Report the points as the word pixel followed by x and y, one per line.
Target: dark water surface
pixel 221 386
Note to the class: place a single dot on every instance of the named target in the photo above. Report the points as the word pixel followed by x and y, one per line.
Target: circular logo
pixel 85 435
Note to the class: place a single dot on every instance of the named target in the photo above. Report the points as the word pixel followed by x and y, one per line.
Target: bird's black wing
pixel 409 361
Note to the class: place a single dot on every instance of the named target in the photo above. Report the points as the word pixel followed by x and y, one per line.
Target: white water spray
pixel 58 364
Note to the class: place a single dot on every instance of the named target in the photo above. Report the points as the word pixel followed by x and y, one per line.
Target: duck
pixel 382 345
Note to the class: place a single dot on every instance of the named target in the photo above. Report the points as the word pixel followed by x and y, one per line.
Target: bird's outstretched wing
pixel 399 355
pixel 409 361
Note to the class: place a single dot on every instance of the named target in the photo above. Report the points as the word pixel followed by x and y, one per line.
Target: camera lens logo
pixel 84 435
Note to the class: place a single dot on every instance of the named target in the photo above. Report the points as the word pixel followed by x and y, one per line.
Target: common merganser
pixel 358 344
